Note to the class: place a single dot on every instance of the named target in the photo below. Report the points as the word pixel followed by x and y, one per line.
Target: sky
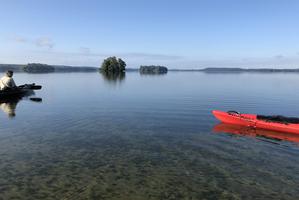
pixel 175 33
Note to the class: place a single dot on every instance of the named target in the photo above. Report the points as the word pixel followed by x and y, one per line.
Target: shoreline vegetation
pixel 44 68
pixel 152 69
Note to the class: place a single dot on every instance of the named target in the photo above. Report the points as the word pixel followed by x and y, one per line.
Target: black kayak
pixel 19 91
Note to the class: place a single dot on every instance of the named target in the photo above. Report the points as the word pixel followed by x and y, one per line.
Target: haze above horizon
pixel 177 34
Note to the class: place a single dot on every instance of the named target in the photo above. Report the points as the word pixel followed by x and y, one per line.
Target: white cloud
pixel 279 56
pixel 44 42
pixel 85 50
pixel 152 56
pixel 39 42
pixel 20 39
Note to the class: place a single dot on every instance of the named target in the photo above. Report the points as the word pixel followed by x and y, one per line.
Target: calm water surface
pixel 146 137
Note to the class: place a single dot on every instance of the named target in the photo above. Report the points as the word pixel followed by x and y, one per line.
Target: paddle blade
pixel 36 87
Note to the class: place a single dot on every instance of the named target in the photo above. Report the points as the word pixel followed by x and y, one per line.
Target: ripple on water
pixel 138 140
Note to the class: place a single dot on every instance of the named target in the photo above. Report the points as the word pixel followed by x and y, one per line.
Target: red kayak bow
pixel 255 121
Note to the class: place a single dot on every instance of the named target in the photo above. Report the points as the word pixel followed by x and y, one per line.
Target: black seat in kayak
pixel 279 118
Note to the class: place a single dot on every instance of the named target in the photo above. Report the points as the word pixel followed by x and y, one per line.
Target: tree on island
pixel 153 69
pixel 114 65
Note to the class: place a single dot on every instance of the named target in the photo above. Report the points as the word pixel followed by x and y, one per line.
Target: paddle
pixel 36 87
pixel 36 99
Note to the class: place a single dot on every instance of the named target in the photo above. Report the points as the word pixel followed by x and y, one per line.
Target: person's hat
pixel 9 73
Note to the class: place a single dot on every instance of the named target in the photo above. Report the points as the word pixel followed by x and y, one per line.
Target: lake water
pixel 147 137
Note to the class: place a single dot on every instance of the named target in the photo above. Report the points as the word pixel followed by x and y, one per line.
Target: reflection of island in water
pixel 114 77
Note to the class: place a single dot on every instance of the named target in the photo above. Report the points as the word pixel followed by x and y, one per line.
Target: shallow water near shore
pixel 147 137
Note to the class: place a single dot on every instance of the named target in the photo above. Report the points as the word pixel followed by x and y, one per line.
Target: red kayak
pixel 255 132
pixel 275 123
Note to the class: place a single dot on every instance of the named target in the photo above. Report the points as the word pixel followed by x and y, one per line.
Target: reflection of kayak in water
pixel 254 132
pixel 9 98
pixel 274 123
pixel 19 91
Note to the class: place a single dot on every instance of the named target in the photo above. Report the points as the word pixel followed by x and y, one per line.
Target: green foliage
pixel 38 68
pixel 152 69
pixel 112 64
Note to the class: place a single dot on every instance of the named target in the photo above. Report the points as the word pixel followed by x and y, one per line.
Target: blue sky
pixel 178 34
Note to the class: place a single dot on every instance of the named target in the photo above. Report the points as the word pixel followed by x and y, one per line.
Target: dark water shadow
pixel 113 77
pixel 152 73
pixel 270 136
pixel 9 104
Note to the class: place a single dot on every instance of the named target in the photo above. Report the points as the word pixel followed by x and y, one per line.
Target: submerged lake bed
pixel 147 137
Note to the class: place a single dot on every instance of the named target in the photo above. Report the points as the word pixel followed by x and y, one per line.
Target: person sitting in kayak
pixel 7 82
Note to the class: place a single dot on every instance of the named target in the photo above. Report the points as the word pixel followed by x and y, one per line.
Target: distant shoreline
pixel 66 69
pixel 58 68
pixel 238 70
pixel 230 70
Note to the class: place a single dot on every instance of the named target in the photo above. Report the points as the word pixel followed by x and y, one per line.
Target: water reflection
pixel 149 139
pixel 151 74
pixel 253 132
pixel 9 107
pixel 114 77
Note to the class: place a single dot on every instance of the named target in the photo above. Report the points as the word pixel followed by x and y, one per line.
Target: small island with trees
pixel 113 65
pixel 152 69
pixel 113 69
pixel 38 68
